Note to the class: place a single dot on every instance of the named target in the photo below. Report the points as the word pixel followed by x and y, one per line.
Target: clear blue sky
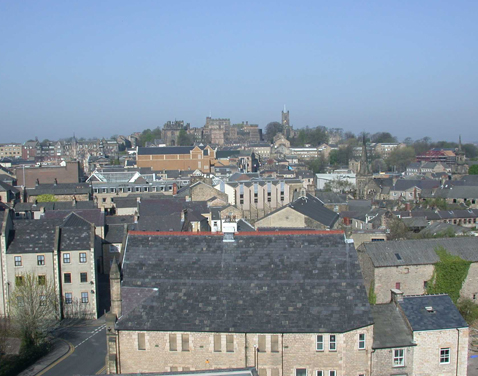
pixel 97 68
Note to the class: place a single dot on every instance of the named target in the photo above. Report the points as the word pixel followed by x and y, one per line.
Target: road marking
pixel 70 351
pixel 95 332
pixel 101 370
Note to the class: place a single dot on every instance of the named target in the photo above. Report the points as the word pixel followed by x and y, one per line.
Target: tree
pixel 339 185
pixel 378 165
pixel 400 158
pixel 272 129
pixel 184 139
pixel 149 135
pixel 473 170
pixel 33 307
pixel 383 137
pixel 468 309
pixel 398 229
pixel 317 165
pixel 408 141
pixel 47 198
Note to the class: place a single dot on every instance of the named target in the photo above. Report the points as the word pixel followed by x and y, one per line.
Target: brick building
pixel 69 173
pixel 177 158
pixel 287 304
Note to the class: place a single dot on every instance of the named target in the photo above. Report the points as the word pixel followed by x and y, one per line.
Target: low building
pixel 408 265
pixel 61 191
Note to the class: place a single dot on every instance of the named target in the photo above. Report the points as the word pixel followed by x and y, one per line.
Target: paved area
pixel 79 347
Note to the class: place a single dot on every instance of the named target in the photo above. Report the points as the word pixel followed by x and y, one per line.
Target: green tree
pixel 272 129
pixel 184 139
pixel 473 170
pixel 33 307
pixel 149 135
pixel 383 137
pixel 400 158
pixel 47 198
pixel 317 165
pixel 398 229
pixel 471 151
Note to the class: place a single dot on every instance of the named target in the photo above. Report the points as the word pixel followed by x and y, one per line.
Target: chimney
pixel 397 296
pixel 228 229
pixel 115 288
pixel 37 183
pixel 175 189
pixel 184 214
pixel 56 182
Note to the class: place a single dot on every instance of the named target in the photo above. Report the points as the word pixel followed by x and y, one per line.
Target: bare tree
pixel 33 307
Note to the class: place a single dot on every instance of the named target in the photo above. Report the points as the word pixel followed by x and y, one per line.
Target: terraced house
pixel 63 251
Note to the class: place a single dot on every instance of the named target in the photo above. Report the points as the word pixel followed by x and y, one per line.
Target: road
pixel 89 341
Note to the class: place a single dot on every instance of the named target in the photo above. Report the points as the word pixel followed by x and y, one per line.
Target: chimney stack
pixel 397 296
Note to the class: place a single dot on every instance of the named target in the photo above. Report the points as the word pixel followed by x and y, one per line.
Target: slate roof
pixel 437 228
pixel 444 314
pixel 4 187
pixel 33 236
pixel 468 192
pixel 60 189
pixel 75 234
pixel 115 233
pixel 94 216
pixel 390 329
pixel 404 184
pixel 330 197
pixel 119 219
pixel 419 252
pixel 313 208
pixel 280 283
pixel 244 226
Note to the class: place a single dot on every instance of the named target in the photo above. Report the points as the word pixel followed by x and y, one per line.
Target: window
pixel 230 342
pixel 141 341
pixel 173 369
pixel 82 257
pixel 114 248
pixel 275 372
pixel 40 260
pixel 397 285
pixel 274 343
pixel 68 298
pixel 67 278
pixel 262 343
pixel 83 277
pixel 42 300
pixel 332 373
pixel 18 260
pixel 332 343
pixel 66 258
pixel 361 341
pixel 173 342
pixel 445 355
pixel 320 373
pixel 217 342
pixel 42 280
pixel 320 343
pixel 20 301
pixel 84 297
pixel 398 357
pixel 185 342
pixel 19 280
pixel 301 372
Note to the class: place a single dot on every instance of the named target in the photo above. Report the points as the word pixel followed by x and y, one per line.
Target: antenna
pixel 284 109
pixel 209 113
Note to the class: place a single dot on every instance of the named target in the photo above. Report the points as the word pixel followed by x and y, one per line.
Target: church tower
pixel 285 118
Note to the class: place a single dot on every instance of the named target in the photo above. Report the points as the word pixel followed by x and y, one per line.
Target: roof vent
pixel 397 255
pixel 430 309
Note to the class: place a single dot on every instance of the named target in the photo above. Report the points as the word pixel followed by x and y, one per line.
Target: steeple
pixel 459 144
pixel 364 170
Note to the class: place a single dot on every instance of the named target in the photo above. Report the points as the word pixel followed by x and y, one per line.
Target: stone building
pixel 419 335
pixel 64 251
pixel 287 304
pixel 171 131
pixel 408 265
pixel 305 212
pixel 12 150
pixel 177 158
pixel 61 192
pixel 367 188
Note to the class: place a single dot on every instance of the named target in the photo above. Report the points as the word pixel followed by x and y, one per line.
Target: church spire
pixel 364 170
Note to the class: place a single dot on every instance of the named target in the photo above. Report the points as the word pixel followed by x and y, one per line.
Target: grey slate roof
pixel 60 189
pixel 444 314
pixel 95 216
pixel 390 330
pixel 33 236
pixel 280 283
pixel 75 234
pixel 419 252
pixel 244 226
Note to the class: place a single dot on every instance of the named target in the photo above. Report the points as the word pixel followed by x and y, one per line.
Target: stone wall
pixel 293 351
pixel 426 360
pixel 204 192
pixel 382 360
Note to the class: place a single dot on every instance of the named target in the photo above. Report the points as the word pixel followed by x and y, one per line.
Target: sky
pixel 99 68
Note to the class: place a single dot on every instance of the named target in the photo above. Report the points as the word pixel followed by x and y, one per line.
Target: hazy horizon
pixel 95 69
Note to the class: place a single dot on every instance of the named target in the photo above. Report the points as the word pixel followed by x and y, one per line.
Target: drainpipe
pixel 282 355
pixel 457 350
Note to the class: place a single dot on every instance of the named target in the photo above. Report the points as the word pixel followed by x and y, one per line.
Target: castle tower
pixel 460 167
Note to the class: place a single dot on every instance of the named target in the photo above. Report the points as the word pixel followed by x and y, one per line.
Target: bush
pixel 468 309
pixel 13 365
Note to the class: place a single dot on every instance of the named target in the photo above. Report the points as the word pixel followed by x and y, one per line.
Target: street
pixel 89 341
